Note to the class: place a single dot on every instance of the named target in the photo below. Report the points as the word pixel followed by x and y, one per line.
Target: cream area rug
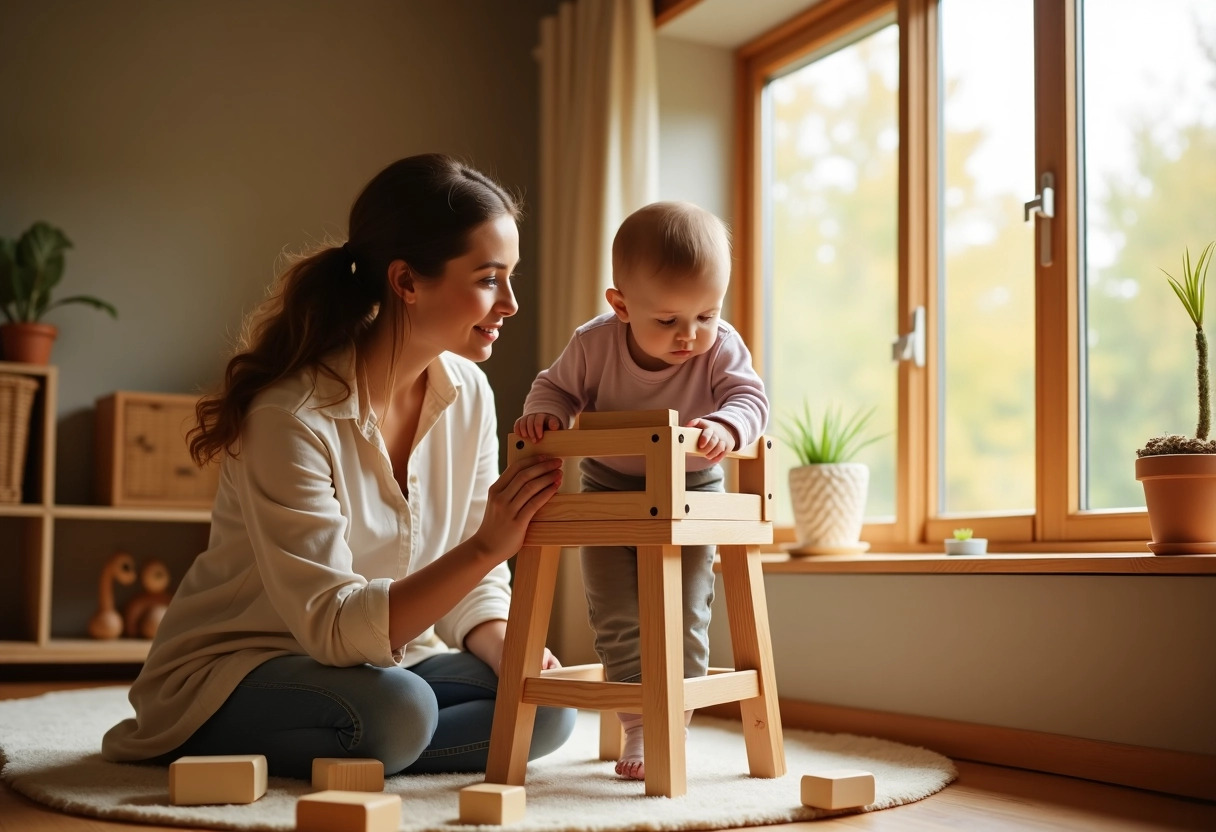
pixel 51 745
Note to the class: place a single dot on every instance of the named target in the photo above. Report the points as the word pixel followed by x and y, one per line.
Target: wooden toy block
pixel 232 778
pixel 491 803
pixel 347 774
pixel 343 811
pixel 842 788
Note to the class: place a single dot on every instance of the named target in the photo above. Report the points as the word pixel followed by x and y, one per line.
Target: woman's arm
pixel 486 640
pixel 420 599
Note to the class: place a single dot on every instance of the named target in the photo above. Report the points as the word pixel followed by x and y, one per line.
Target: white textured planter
pixel 829 505
pixel 971 546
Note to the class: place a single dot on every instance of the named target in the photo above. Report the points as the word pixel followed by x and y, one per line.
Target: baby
pixel 663 346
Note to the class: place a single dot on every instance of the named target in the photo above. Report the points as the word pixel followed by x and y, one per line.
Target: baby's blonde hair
pixel 671 239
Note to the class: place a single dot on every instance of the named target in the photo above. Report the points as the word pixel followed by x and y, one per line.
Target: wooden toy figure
pixel 143 613
pixel 106 622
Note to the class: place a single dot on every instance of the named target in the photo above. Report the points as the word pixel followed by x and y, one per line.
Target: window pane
pixel 1149 167
pixel 986 314
pixel 830 191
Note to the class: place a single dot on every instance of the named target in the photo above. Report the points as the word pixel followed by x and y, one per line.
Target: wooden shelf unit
pixel 51 555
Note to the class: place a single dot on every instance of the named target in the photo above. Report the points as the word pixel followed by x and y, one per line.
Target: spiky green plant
pixel 30 267
pixel 834 438
pixel 1192 291
pixel 962 534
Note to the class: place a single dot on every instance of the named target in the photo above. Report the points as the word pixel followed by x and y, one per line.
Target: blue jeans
pixel 432 717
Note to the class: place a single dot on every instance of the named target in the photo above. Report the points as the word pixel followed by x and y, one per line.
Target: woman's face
pixel 463 310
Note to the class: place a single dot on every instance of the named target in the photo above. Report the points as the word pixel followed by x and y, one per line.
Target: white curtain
pixel 598 163
pixel 598 152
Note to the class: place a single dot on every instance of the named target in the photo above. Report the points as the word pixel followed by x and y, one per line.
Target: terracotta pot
pixel 27 343
pixel 829 507
pixel 1180 491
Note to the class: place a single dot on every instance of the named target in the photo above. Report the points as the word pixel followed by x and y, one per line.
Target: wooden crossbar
pixel 590 420
pixel 647 532
pixel 626 697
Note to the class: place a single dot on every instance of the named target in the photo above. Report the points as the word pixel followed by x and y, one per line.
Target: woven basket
pixel 16 402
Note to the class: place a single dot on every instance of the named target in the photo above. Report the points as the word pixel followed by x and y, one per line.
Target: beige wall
pixel 183 146
pixel 696 132
pixel 1116 658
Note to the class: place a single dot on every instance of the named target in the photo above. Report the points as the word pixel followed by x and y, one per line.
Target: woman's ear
pixel 617 301
pixel 401 280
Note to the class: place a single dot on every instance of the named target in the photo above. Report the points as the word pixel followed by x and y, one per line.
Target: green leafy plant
pixel 1191 289
pixel 962 534
pixel 30 267
pixel 834 438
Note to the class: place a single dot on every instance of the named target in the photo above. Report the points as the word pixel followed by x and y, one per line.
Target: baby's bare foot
pixel 632 769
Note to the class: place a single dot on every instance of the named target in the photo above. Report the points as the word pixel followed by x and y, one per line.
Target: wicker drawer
pixel 142 456
pixel 16 401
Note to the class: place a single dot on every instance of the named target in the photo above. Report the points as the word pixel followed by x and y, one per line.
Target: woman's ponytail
pixel 319 304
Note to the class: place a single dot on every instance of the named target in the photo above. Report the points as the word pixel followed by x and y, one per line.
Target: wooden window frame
pixel 1057 523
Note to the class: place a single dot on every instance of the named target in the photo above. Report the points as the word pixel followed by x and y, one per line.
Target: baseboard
pixel 1156 769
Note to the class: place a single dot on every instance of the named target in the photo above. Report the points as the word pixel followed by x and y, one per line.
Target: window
pixel 1148 169
pixel 888 150
pixel 830 190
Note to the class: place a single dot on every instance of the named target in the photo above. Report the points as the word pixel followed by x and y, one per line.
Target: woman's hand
pixel 421 598
pixel 486 640
pixel 513 501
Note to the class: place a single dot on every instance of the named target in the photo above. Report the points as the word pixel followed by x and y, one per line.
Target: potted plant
pixel 964 544
pixel 828 490
pixel 30 267
pixel 1179 472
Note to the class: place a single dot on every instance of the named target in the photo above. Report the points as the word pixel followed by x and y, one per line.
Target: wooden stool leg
pixel 612 736
pixel 747 610
pixel 661 613
pixel 527 628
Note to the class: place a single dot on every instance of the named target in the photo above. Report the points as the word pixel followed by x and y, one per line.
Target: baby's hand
pixel 534 425
pixel 716 439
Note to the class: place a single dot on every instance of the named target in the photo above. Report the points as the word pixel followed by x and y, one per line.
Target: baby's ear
pixel 617 301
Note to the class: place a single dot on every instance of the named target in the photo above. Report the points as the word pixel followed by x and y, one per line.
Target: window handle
pixel 911 345
pixel 1043 204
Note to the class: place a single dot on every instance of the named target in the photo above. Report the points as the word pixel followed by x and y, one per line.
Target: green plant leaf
pixel 40 255
pixel 88 300
pixel 30 269
pixel 834 438
pixel 1191 288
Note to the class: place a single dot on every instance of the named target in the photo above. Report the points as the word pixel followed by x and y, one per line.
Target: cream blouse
pixel 308 530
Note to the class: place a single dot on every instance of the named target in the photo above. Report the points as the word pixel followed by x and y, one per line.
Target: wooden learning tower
pixel 658 521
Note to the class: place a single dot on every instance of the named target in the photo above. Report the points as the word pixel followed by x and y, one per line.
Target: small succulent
pixel 962 534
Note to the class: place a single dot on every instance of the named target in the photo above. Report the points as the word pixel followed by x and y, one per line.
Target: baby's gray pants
pixel 610 577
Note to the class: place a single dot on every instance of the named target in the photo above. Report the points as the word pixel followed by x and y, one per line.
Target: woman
pixel 353 595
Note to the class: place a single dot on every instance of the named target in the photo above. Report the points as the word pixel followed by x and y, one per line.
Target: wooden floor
pixel 984 799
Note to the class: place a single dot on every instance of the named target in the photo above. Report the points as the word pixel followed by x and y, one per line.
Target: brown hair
pixel 674 239
pixel 419 209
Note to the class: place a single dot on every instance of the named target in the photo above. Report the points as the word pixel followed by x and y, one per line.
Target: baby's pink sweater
pixel 595 372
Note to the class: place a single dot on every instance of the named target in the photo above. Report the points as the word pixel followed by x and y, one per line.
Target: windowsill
pixel 1093 563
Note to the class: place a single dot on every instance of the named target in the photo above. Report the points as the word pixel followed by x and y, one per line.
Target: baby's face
pixel 670 320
